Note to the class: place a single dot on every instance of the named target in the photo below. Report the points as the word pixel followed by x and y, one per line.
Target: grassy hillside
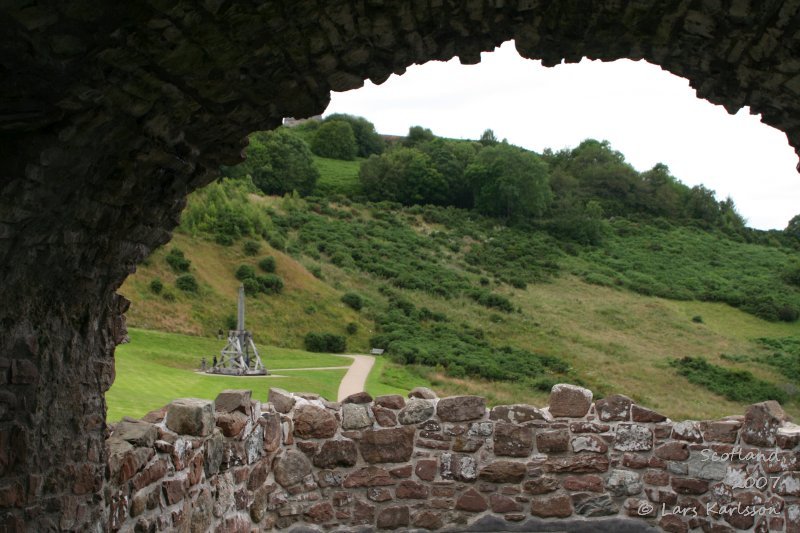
pixel 455 297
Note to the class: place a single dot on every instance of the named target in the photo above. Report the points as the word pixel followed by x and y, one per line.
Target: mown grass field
pixel 157 367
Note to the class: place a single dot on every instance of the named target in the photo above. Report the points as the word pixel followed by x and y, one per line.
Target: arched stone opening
pixel 112 114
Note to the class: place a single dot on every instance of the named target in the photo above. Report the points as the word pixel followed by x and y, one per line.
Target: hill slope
pixel 454 297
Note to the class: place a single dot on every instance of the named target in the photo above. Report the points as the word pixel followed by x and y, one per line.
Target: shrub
pixel 316 271
pixel 325 342
pixel 697 319
pixel 267 264
pixel 251 247
pixel 168 295
pixel 177 261
pixel 335 140
pixel 736 385
pixel 156 286
pixel 223 239
pixel 493 300
pixel 353 300
pixel 270 283
pixel 231 322
pixel 352 328
pixel 251 286
pixel 244 272
pixel 186 283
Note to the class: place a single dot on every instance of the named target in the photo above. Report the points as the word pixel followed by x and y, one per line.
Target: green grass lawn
pixel 155 368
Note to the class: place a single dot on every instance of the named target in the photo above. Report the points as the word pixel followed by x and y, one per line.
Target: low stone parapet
pixel 426 463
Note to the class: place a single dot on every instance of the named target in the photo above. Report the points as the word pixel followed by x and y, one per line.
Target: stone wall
pixel 112 112
pixel 302 463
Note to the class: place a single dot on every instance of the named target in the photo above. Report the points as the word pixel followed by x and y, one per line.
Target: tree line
pixel 571 191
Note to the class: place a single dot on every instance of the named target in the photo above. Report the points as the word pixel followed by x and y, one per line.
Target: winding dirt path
pixel 355 379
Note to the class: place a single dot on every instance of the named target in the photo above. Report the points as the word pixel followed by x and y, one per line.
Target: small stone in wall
pixel 761 423
pixel 231 400
pixel 517 413
pixel 461 408
pixel 313 422
pixel 393 517
pixel 422 392
pixel 191 416
pixel 540 485
pixel 687 430
pixel 589 443
pixel 417 410
pixel 471 501
pixel 281 400
pixel 641 414
pixel 371 476
pixel 135 432
pixel 359 397
pixel 614 408
pixel 355 416
pixel 387 445
pixel 570 401
pixel 290 468
pixel 333 453
pixel 512 440
pixel 503 472
pixel 553 441
pixel 391 401
pixel 591 505
pixel 624 483
pixel 457 466
pixel 554 506
pixel 633 437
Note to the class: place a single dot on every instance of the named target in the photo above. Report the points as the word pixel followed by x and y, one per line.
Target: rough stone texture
pixel 615 407
pixel 416 410
pixel 391 401
pixel 281 400
pixel 313 422
pixel 761 423
pixel 461 408
pixel 387 445
pixel 355 416
pixel 517 413
pixel 512 440
pixel 336 453
pixel 570 401
pixel 191 416
pixel 423 393
pixel 291 468
pixel 231 400
pixel 113 112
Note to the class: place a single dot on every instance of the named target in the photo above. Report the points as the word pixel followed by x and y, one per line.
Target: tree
pixel 509 182
pixel 278 162
pixel 404 175
pixel 488 138
pixel 793 228
pixel 450 159
pixel 335 140
pixel 368 141
pixel 418 135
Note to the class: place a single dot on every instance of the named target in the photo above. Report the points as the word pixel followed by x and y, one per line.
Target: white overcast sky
pixel 646 113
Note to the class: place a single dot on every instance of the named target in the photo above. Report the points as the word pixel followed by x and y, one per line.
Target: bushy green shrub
pixel 316 271
pixel 352 328
pixel 736 385
pixel 267 264
pixel 168 295
pixel 335 140
pixel 491 299
pixel 353 300
pixel 251 247
pixel 270 283
pixel 325 343
pixel 251 286
pixel 187 283
pixel 244 272
pixel 177 261
pixel 697 319
pixel 156 286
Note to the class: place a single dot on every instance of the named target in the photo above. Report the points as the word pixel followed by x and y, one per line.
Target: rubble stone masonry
pixel 301 463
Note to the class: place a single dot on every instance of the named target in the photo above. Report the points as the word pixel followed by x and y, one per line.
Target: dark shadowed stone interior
pixel 112 112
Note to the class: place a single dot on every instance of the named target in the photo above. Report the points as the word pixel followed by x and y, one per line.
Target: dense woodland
pixel 423 219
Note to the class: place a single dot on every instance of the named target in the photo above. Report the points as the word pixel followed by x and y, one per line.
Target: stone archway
pixel 111 114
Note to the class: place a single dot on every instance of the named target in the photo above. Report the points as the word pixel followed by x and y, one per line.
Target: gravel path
pixel 355 379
